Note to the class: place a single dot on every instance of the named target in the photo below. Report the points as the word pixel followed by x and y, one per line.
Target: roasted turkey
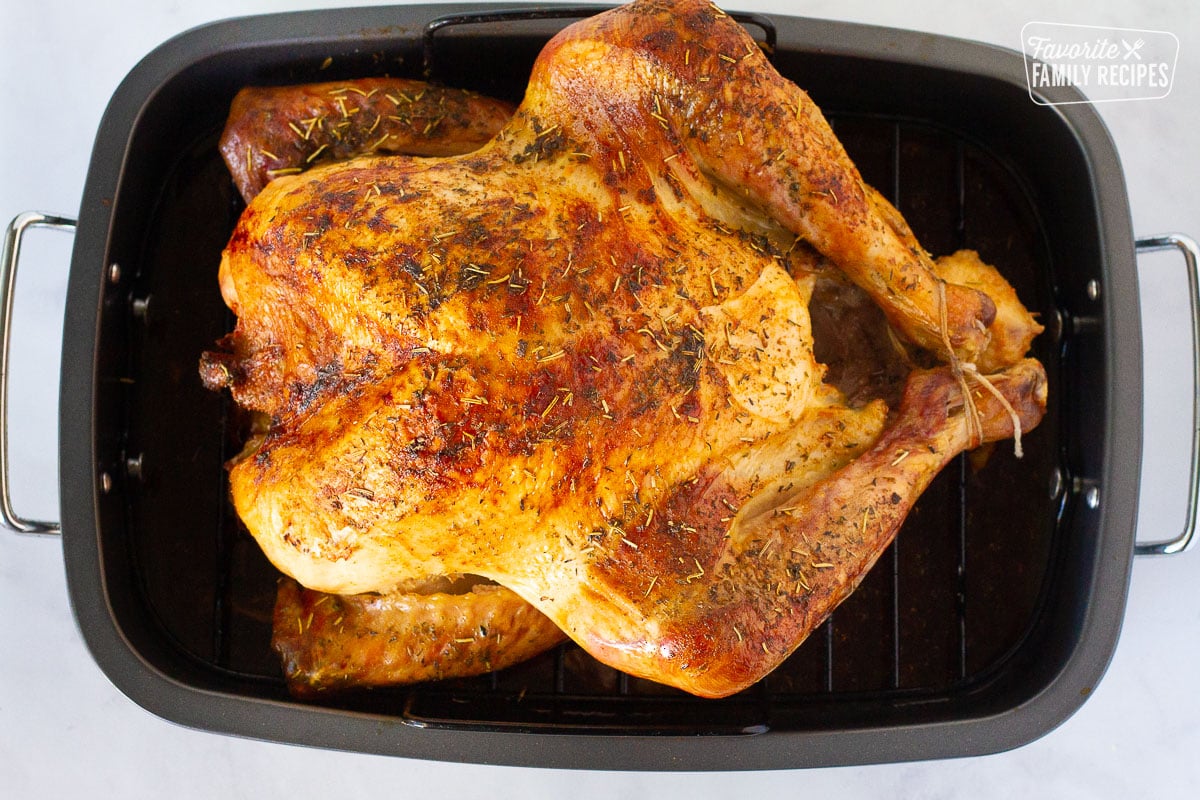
pixel 578 362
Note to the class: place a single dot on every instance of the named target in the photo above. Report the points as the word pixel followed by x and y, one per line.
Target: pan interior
pixel 950 619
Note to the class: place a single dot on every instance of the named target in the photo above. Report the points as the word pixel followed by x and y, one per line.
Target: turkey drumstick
pixel 655 80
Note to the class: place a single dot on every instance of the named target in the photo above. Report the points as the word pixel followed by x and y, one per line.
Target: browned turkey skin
pixel 416 633
pixel 579 361
pixel 276 131
pixel 422 630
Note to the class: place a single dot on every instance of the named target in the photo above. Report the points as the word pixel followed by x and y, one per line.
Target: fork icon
pixel 1132 49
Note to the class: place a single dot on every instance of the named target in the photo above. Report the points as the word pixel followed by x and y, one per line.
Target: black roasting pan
pixel 984 627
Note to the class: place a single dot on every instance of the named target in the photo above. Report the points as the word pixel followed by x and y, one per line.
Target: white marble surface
pixel 65 731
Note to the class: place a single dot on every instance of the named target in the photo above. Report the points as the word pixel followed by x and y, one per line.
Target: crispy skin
pixel 1013 329
pixel 577 363
pixel 281 130
pixel 331 642
pixel 764 591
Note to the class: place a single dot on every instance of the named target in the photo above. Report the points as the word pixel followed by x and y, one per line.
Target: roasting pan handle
pixel 8 282
pixel 1191 254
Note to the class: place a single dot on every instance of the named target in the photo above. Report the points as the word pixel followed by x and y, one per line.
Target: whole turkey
pixel 578 360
